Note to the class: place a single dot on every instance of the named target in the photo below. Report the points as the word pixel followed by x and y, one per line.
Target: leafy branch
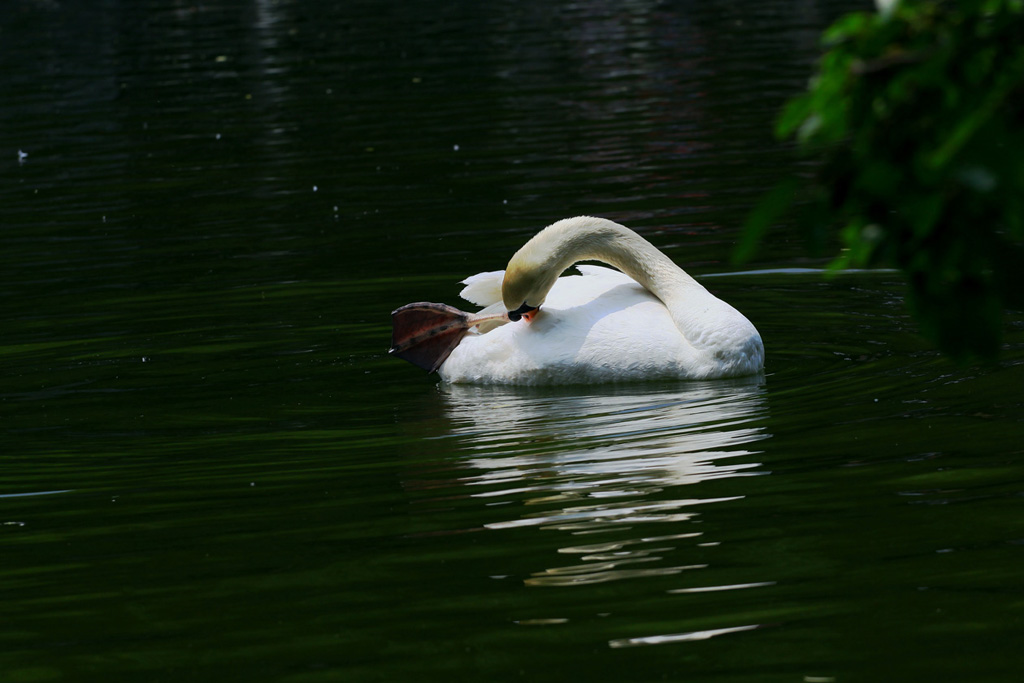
pixel 915 120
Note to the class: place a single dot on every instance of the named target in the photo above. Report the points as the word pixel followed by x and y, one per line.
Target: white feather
pixel 483 289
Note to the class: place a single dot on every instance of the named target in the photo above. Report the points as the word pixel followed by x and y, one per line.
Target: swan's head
pixel 533 270
pixel 526 284
pixel 522 292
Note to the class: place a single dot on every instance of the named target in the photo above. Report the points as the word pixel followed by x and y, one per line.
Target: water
pixel 212 470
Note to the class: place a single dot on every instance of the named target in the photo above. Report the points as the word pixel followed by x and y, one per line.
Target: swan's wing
pixel 483 289
pixel 600 271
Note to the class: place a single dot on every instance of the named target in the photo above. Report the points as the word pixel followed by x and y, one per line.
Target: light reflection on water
pixel 612 470
pixel 680 637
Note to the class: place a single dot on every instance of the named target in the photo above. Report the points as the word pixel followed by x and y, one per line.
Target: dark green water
pixel 212 471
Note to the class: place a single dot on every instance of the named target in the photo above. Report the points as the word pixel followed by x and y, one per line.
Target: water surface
pixel 212 470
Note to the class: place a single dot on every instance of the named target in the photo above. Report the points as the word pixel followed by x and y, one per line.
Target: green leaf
pixel 793 116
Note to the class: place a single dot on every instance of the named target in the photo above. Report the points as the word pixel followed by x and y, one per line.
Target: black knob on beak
pixel 516 315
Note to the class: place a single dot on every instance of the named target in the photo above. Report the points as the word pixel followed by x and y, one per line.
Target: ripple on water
pixel 610 462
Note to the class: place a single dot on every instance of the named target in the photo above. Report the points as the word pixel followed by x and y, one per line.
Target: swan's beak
pixel 525 311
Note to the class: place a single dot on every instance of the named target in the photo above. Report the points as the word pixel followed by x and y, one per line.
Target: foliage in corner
pixel 916 120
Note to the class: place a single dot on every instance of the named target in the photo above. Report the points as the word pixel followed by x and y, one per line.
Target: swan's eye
pixel 523 311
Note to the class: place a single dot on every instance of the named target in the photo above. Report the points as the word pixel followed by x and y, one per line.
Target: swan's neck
pixel 715 331
pixel 586 238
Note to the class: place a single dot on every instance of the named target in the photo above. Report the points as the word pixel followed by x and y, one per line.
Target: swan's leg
pixel 425 334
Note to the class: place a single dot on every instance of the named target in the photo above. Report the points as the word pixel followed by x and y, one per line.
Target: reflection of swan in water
pixel 609 461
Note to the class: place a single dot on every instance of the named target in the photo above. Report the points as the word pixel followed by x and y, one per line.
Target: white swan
pixel 650 321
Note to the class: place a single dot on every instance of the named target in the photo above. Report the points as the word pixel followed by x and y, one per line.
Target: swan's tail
pixel 425 334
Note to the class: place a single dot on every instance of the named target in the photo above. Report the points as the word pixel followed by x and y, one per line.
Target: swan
pixel 646 320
